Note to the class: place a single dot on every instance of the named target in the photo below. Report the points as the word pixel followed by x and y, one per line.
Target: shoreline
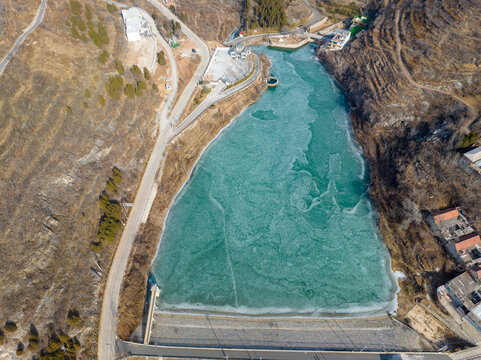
pixel 351 311
pixel 181 157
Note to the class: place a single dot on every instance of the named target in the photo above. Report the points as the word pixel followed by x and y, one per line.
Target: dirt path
pixel 406 73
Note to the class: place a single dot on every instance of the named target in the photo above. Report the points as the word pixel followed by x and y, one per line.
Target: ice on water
pixel 276 217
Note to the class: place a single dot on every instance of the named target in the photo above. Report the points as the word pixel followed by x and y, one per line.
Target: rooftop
pixel 446 214
pixel 466 241
pixel 474 155
pixel 341 35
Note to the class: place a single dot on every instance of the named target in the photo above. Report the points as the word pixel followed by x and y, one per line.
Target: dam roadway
pixel 127 349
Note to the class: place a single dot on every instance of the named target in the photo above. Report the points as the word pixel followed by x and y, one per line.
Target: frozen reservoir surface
pixel 276 217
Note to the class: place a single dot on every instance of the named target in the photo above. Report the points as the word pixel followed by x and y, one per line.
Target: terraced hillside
pixel 413 81
pixel 61 135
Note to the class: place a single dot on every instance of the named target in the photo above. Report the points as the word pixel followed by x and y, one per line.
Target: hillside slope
pixel 413 82
pixel 58 145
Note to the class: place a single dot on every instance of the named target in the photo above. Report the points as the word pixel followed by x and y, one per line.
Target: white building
pixel 474 156
pixel 134 22
pixel 340 39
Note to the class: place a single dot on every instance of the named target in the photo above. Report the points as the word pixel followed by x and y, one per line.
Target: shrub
pixel 135 70
pixel 114 86
pixel 86 106
pixel 102 32
pixel 161 58
pixel 78 22
pixel 146 74
pixel 10 327
pixel 129 91
pixel 90 25
pixel 101 100
pixel 102 58
pixel 111 8
pixel 75 7
pixel 2 336
pixel 87 93
pixel 155 87
pixel 54 344
pixel 75 33
pixel 116 175
pixel 469 139
pixel 138 91
pixel 69 110
pixel 142 85
pixel 119 67
pixel 33 333
pixel 111 186
pixel 73 318
pixel 88 13
pixel 67 23
pixel 104 55
pixel 64 338
pixel 96 247
pixel 197 101
pixel 32 344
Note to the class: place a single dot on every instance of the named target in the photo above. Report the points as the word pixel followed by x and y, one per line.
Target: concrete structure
pixel 340 39
pixel 459 234
pixel 316 26
pixel 228 65
pixel 135 24
pixel 463 294
pixel 474 156
pixel 239 52
pixel 127 349
pixel 472 160
pixel 154 294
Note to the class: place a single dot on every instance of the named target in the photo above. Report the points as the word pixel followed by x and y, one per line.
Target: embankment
pixel 182 155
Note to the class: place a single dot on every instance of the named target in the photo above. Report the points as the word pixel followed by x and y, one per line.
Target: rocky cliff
pixel 413 83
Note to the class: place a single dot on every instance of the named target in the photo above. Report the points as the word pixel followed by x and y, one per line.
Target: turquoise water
pixel 276 218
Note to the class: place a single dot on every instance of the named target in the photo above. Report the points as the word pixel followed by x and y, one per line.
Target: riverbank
pixel 182 155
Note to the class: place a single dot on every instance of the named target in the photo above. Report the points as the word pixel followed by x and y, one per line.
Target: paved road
pixel 300 30
pixel 127 348
pixel 203 51
pixel 138 214
pixel 31 27
pixel 317 16
pixel 216 96
pixel 149 184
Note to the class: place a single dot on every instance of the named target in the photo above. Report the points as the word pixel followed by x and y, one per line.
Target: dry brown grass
pixel 181 157
pixel 53 167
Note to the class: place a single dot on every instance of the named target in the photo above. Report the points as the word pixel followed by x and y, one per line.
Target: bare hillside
pixel 413 81
pixel 61 134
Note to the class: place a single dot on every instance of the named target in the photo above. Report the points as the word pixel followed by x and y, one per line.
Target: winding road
pixel 140 210
pixel 151 177
pixel 203 51
pixel 38 19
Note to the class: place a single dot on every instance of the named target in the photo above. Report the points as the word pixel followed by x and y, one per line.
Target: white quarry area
pixel 142 41
pixel 229 65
